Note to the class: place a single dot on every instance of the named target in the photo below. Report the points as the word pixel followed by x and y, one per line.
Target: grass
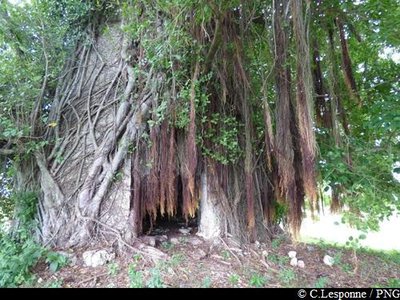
pixel 206 283
pixel 277 259
pixel 393 283
pixel 347 267
pixel 390 283
pixel 155 280
pixel 234 279
pixel 321 282
pixel 113 269
pixel 391 256
pixel 167 246
pixel 226 255
pixel 135 277
pixel 388 255
pixel 287 276
pixel 176 259
pixel 337 258
pixel 277 242
pixel 324 245
pixel 257 280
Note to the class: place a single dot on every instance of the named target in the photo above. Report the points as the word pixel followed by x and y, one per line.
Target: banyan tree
pixel 204 110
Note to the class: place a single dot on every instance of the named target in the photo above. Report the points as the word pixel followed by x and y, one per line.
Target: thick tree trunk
pixel 211 224
pixel 100 178
pixel 86 176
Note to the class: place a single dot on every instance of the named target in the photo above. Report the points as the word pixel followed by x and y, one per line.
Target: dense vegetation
pixel 282 105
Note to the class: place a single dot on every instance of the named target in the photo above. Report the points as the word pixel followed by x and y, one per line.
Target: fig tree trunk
pixel 150 121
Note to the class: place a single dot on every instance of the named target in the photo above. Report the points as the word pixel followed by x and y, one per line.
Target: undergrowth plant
pixel 19 251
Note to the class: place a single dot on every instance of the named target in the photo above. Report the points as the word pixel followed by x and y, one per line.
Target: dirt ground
pixel 192 262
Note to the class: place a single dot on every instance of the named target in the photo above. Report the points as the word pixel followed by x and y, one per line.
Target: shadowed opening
pixel 168 225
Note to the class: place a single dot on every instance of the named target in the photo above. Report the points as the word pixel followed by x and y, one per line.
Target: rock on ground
pixel 94 258
pixel 328 260
pixel 293 262
pixel 300 264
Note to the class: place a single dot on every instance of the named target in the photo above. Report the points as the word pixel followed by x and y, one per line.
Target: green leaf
pixel 54 266
pixel 362 236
